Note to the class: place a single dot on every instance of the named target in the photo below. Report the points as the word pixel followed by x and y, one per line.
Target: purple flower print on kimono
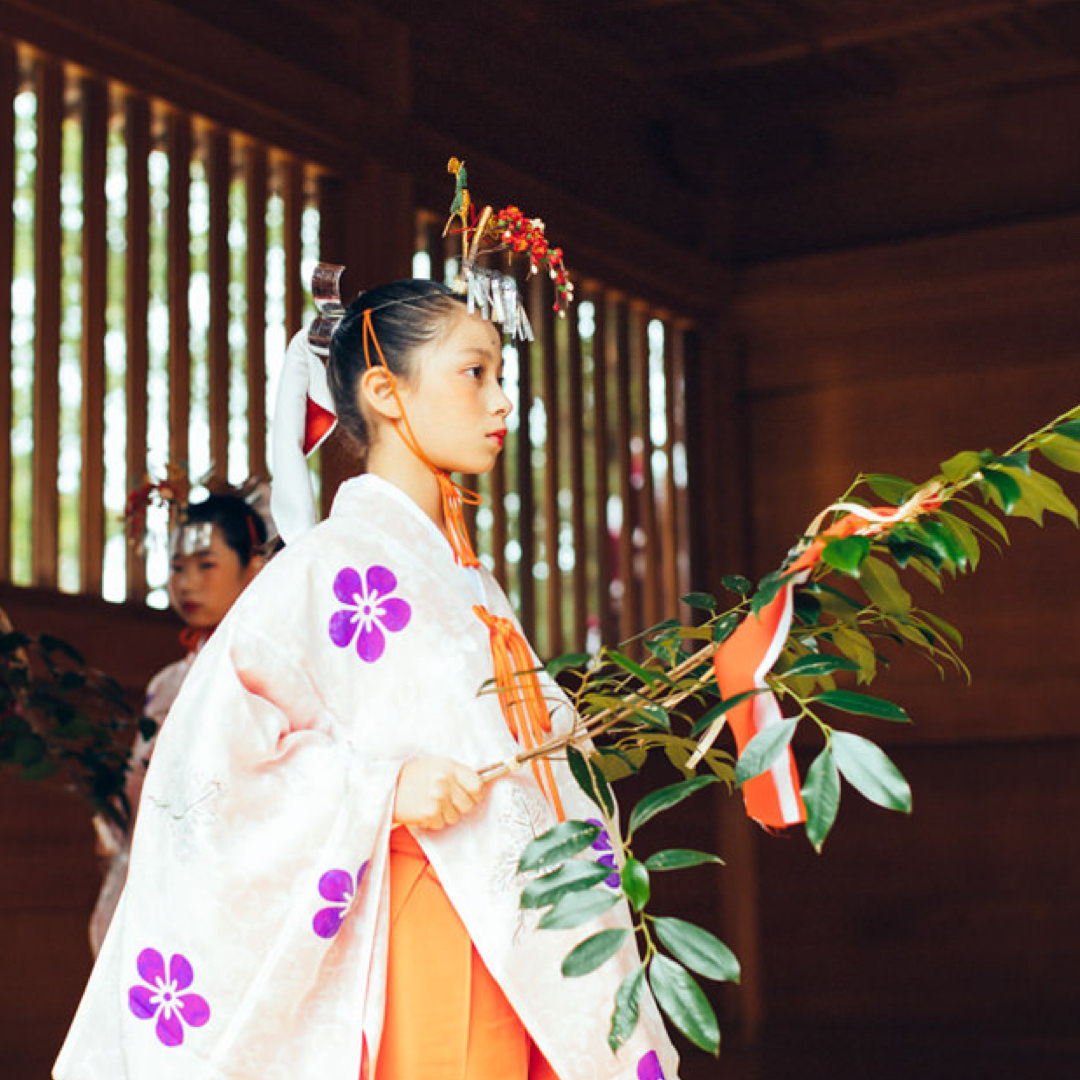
pixel 606 857
pixel 162 996
pixel 369 611
pixel 648 1068
pixel 337 887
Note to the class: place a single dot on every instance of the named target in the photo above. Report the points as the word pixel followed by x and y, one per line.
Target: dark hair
pixel 241 526
pixel 405 315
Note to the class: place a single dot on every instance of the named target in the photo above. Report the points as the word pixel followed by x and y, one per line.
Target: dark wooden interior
pixel 872 213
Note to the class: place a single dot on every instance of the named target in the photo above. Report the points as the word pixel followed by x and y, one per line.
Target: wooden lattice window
pixel 584 519
pixel 153 262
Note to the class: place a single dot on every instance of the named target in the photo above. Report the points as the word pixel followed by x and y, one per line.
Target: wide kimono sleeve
pixel 264 820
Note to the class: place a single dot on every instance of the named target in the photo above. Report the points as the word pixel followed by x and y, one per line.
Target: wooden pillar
pixel 47 243
pixel 8 86
pixel 721 544
pixel 95 127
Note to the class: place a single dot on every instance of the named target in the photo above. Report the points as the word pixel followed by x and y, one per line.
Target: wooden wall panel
pixel 956 926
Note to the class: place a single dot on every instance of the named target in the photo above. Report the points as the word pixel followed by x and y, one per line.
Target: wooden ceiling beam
pixel 880 33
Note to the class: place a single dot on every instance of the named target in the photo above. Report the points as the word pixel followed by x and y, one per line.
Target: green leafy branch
pixel 60 718
pixel 850 610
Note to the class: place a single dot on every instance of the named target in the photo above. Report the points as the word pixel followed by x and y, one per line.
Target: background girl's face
pixel 204 585
pixel 454 399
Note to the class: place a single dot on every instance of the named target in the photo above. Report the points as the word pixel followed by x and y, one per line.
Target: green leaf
pixel 867 768
pixel 724 706
pixel 39 770
pixel 1020 461
pixel 882 585
pixel 961 466
pixel 893 489
pixel 856 646
pixel 705 601
pixel 768 589
pixel 846 554
pixel 679 859
pixel 964 534
pixel 987 517
pixel 624 1017
pixel 579 769
pixel 819 664
pixel 764 748
pixel 725 625
pixel 736 583
pixel 685 1003
pixel 646 675
pixel 821 794
pixel 698 949
pixel 567 660
pixel 557 845
pixel 1063 452
pixel 616 764
pixel 862 705
pixel 635 883
pixel 945 629
pixel 943 541
pixel 1039 493
pixel 593 952
pixel 656 802
pixel 1003 487
pixel 654 716
pixel 1069 428
pixel 576 908
pixel 590 778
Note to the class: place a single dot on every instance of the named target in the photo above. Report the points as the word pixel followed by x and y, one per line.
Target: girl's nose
pixel 503 405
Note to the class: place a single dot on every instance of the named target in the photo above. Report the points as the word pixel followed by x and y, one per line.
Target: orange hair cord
pixel 520 695
pixel 454 496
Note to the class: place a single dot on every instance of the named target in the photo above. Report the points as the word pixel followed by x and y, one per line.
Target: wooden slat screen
pixel 584 518
pixel 153 262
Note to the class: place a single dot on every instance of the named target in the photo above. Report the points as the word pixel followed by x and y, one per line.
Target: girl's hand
pixel 434 792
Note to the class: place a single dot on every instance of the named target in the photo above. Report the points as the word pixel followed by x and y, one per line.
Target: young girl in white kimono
pixel 216 552
pixel 321 887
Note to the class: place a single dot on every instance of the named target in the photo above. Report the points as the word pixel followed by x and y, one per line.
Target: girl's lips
pixel 498 436
pixel 189 606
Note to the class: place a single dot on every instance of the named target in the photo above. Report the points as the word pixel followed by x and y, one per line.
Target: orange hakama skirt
pixel 446 1017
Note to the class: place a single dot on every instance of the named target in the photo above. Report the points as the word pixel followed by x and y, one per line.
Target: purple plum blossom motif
pixel 648 1068
pixel 606 857
pixel 369 611
pixel 162 997
pixel 337 887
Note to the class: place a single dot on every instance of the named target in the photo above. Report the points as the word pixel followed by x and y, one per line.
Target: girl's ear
pixel 377 393
pixel 253 567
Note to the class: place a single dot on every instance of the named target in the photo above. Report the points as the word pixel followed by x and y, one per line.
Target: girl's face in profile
pixel 204 584
pixel 455 401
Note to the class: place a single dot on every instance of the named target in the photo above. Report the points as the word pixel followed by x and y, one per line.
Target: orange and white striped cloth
pixel 742 662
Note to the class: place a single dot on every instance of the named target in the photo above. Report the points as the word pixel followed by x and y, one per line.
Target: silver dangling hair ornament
pixel 495 294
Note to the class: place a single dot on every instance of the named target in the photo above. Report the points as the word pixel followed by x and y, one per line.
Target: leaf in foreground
pixel 577 908
pixel 656 802
pixel 557 845
pixel 764 748
pixel 821 794
pixel 624 1018
pixel 868 769
pixel 684 1002
pixel 698 949
pixel 592 952
pixel 680 859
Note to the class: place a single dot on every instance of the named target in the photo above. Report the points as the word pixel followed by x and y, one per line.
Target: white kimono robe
pixel 250 942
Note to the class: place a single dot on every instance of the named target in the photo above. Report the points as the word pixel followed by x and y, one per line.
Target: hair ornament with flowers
pixel 173 493
pixel 493 292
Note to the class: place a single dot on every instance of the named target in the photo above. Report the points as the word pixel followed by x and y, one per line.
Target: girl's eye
pixel 475 372
pixel 207 564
